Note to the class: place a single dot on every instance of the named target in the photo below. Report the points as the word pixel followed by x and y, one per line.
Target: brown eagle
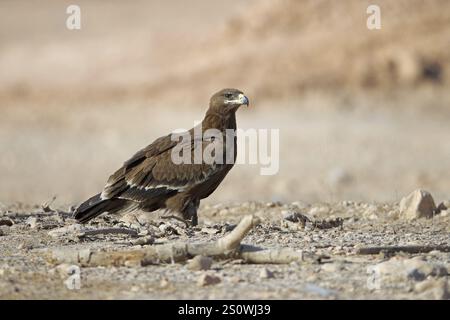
pixel 151 180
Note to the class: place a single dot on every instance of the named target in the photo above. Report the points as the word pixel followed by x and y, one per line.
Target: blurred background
pixel 363 114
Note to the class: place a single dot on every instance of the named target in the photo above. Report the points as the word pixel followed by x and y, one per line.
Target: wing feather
pixel 151 174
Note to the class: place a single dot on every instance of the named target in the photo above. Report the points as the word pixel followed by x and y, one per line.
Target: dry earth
pixel 28 234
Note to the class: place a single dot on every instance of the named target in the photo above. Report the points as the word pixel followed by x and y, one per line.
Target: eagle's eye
pixel 228 95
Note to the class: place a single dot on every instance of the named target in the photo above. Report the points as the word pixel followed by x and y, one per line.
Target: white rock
pixel 165 283
pixel 418 204
pixel 208 280
pixel 266 274
pixel 63 270
pixel 441 207
pixel 200 263
pixel 32 222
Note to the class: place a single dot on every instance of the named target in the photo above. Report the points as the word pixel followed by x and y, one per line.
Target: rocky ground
pixel 335 233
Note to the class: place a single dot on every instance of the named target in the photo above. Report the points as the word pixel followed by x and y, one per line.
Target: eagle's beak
pixel 243 99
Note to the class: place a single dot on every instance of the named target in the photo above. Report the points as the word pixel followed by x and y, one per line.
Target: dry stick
pixel 224 248
pixel 406 249
pixel 94 232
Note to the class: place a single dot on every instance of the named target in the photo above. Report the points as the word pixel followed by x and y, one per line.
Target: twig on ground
pixel 46 206
pixel 94 232
pixel 406 249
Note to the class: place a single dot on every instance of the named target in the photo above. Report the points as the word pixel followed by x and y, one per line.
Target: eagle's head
pixel 227 100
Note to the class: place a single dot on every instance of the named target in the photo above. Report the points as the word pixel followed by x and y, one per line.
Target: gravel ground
pixel 28 232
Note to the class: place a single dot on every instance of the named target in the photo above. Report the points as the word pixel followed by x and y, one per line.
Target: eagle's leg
pixel 186 212
pixel 190 212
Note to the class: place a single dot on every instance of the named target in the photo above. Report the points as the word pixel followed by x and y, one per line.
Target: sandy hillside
pixel 362 114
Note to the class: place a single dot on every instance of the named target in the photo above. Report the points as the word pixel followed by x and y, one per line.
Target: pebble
pixel 441 207
pixel 164 283
pixel 32 222
pixel 266 274
pixel 6 222
pixel 200 263
pixel 418 204
pixel 64 269
pixel 208 280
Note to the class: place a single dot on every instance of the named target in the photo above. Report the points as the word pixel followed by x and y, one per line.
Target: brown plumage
pixel 150 180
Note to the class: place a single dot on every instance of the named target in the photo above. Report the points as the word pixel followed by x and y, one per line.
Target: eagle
pixel 152 180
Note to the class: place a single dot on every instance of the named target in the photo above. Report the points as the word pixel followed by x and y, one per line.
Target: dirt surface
pixel 341 273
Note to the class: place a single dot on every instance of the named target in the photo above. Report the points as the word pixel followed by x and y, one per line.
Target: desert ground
pixel 363 119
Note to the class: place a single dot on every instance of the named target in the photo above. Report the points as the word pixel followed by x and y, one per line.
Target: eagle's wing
pixel 151 173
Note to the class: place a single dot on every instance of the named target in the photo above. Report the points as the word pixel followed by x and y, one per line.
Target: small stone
pixel 209 230
pixel 6 222
pixel 441 207
pixel 266 274
pixel 164 283
pixel 208 280
pixel 64 270
pixel 142 241
pixel 31 222
pixel 200 263
pixel 444 213
pixel 418 204
pixel 294 216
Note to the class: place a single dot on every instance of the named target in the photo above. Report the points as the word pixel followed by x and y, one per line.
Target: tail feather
pixel 95 206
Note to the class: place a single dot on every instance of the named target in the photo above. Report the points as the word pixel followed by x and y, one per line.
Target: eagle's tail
pixel 95 206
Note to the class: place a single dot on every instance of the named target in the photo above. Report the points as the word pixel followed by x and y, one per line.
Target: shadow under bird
pixel 150 180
